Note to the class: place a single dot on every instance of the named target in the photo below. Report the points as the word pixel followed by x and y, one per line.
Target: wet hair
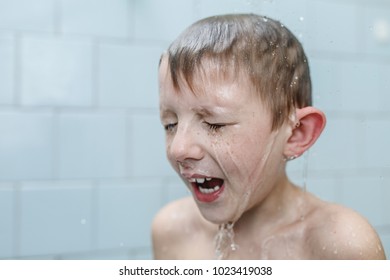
pixel 256 46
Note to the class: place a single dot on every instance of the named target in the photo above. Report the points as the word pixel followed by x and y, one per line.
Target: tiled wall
pixel 82 162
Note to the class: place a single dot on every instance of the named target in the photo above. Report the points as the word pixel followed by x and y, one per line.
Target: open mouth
pixel 207 189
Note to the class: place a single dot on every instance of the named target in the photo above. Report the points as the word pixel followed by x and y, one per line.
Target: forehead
pixel 210 80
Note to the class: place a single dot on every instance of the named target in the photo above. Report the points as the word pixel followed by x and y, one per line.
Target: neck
pixel 283 204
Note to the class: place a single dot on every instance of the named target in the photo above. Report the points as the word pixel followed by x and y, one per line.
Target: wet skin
pixel 223 131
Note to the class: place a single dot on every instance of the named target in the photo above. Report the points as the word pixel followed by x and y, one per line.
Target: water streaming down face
pixel 250 181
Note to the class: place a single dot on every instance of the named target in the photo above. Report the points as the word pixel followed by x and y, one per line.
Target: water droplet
pixel 335 252
pixel 83 221
pixel 224 241
pixel 265 19
pixel 301 18
pixel 122 244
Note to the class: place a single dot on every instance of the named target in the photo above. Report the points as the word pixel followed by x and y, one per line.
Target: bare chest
pixel 284 245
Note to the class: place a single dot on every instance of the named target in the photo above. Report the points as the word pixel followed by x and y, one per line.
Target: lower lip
pixel 207 197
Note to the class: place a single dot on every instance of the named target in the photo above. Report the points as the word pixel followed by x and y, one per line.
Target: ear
pixel 308 127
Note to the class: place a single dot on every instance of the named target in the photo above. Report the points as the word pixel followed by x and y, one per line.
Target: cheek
pixel 237 154
pixel 244 157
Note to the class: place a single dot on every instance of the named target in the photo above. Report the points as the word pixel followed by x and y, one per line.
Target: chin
pixel 217 214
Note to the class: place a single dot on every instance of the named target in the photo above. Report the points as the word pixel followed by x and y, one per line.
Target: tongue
pixel 212 183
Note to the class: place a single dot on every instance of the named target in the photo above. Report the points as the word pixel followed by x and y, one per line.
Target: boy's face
pixel 222 133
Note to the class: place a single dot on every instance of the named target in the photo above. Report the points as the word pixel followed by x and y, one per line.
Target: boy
pixel 235 101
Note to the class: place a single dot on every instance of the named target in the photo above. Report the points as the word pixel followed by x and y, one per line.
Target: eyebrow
pixel 164 113
pixel 203 111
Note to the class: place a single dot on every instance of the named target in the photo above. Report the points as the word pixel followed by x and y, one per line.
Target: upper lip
pixel 190 176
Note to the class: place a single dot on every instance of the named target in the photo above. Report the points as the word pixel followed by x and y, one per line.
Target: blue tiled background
pixel 82 160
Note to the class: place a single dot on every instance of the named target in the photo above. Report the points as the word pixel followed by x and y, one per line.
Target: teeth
pixel 200 180
pixel 209 190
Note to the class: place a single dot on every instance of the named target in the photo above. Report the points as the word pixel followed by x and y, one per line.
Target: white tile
pixel 143 255
pixel 364 86
pixel 148 156
pixel 206 8
pixel 173 189
pixel 350 86
pixel 92 145
pixel 96 17
pixel 326 84
pixel 55 218
pixel 37 15
pixel 7 221
pixel 56 72
pixel 385 200
pixel 125 213
pixel 324 188
pixel 376 136
pixel 332 26
pixel 7 69
pixel 375 29
pixel 365 196
pixel 98 255
pixel 26 145
pixel 170 17
pixel 128 76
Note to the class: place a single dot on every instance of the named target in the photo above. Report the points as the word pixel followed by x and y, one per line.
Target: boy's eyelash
pixel 170 127
pixel 212 126
pixel 215 126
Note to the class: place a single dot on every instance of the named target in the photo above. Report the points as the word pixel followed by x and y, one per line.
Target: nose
pixel 185 145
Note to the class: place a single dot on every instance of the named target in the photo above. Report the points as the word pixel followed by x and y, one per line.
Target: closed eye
pixel 215 126
pixel 170 127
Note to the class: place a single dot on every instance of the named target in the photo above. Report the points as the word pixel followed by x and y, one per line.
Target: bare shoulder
pixel 338 232
pixel 170 227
